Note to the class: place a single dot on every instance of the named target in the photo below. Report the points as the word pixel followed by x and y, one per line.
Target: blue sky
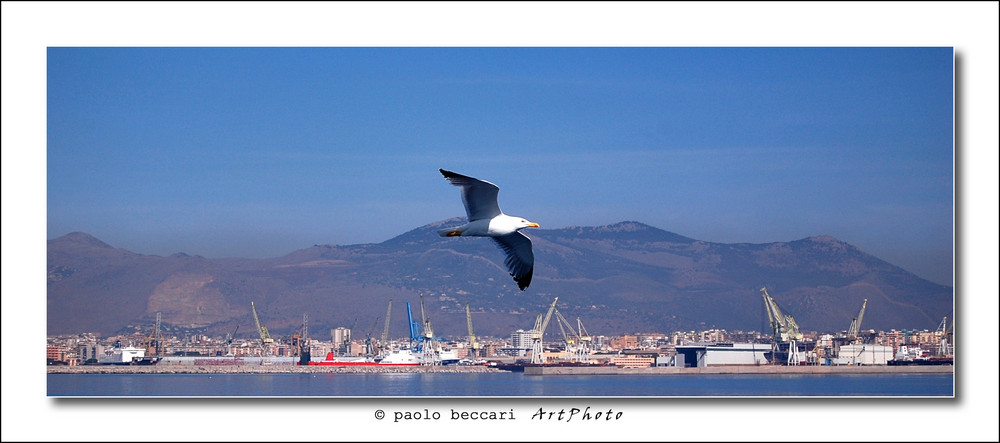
pixel 256 152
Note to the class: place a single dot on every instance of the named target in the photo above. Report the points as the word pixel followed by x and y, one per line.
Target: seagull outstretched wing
pixel 479 196
pixel 520 260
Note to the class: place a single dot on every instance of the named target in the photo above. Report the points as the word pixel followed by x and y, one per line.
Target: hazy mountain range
pixel 622 278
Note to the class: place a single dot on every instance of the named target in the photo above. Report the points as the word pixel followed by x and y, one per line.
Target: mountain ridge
pixel 618 278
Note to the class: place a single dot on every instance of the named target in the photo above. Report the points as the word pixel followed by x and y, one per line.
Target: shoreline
pixel 737 369
pixel 535 370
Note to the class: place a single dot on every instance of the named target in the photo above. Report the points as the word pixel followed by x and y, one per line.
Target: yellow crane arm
pixel 472 336
pixel 264 336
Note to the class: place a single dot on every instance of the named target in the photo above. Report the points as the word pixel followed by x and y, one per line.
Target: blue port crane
pixel 414 326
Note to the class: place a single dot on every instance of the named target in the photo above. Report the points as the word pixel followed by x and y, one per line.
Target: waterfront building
pixel 893 339
pixel 490 349
pixel 682 337
pixel 928 338
pixel 650 340
pixel 54 353
pixel 510 352
pixel 624 342
pixel 89 351
pixel 863 354
pixel 632 361
pixel 520 339
pixel 713 336
pixel 341 339
pixel 699 355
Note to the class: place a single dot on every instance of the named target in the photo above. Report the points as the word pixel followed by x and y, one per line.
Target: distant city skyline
pixel 256 152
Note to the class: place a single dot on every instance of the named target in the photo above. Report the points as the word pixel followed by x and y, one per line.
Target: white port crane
pixel 855 329
pixel 783 327
pixel 572 338
pixel 428 346
pixel 577 341
pixel 585 338
pixel 945 348
pixel 537 332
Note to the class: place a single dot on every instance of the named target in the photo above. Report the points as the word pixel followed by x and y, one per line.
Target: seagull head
pixel 522 223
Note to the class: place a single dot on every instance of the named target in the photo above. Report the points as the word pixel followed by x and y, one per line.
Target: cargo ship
pixel 923 361
pixel 519 366
pixel 907 356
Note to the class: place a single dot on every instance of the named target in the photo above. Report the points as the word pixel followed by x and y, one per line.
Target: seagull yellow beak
pixel 533 225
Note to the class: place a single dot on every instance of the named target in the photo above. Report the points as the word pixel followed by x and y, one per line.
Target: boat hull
pixel 922 362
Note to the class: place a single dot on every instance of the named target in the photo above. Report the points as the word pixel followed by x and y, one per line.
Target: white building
pixel 699 355
pixel 341 339
pixel 520 339
pixel 863 354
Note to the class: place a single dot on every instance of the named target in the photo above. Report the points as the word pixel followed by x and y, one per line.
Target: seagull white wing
pixel 479 196
pixel 520 260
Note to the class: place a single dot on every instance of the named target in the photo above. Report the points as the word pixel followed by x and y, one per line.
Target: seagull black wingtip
pixel 525 280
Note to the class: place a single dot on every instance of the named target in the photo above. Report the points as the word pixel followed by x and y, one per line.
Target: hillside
pixel 622 278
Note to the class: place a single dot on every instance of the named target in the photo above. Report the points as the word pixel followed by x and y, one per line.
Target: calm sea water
pixel 495 385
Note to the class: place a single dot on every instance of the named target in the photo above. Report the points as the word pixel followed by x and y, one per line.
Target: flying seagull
pixel 486 220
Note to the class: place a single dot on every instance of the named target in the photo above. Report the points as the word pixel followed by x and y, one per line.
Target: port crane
pixel 429 347
pixel 577 343
pixel 537 332
pixel 305 350
pixel 383 343
pixel 414 327
pixel 855 329
pixel 951 336
pixel 265 339
pixel 370 351
pixel 572 338
pixel 783 327
pixel 154 343
pixel 944 334
pixel 473 346
pixel 423 336
pixel 585 341
pixel 229 340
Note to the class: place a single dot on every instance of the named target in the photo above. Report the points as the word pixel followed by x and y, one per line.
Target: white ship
pixel 394 358
pixel 400 357
pixel 122 356
pixel 446 357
